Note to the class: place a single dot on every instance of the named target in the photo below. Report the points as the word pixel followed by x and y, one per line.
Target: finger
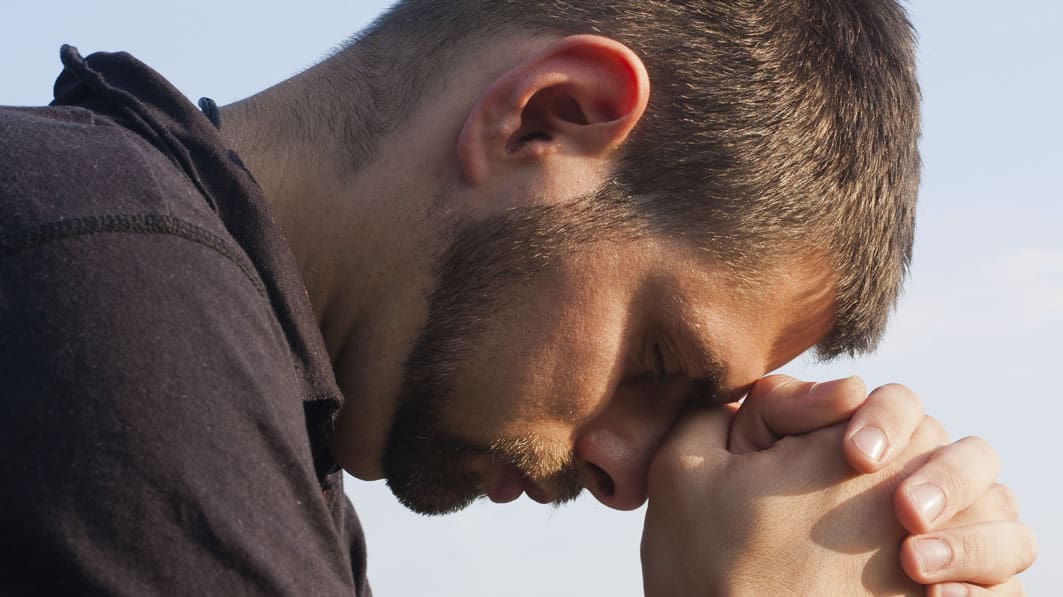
pixel 984 554
pixel 697 442
pixel 950 481
pixel 700 430
pixel 880 430
pixel 779 405
pixel 996 505
pixel 1012 588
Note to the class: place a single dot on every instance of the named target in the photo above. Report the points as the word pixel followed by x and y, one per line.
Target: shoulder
pixel 66 172
pixel 69 163
pixel 153 425
pixel 115 313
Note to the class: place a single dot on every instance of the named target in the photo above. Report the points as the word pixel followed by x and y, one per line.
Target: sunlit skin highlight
pixel 583 368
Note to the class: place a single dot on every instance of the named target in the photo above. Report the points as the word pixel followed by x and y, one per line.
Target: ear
pixel 564 111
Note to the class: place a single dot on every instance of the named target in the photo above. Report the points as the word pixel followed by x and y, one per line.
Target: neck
pixel 323 211
pixel 297 184
pixel 361 234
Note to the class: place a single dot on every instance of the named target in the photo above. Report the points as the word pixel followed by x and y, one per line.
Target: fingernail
pixel 934 554
pixel 954 590
pixel 871 441
pixel 929 500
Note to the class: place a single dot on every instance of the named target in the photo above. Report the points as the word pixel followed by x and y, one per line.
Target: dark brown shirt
pixel 165 391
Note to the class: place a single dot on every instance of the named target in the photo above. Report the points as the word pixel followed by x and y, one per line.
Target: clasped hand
pixel 821 489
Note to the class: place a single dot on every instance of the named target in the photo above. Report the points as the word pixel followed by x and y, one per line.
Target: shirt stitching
pixel 14 242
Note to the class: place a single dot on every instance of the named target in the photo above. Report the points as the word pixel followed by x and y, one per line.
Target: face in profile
pixel 552 347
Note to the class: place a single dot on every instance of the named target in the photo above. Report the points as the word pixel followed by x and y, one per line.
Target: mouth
pixel 536 492
pixel 506 483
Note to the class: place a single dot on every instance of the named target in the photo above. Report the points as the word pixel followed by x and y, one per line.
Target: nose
pixel 614 450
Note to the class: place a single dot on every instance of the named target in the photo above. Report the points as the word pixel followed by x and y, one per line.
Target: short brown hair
pixel 775 128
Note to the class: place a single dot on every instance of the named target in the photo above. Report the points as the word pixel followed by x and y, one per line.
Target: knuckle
pixel 1029 548
pixel 932 424
pixel 855 388
pixel 934 429
pixel 985 452
pixel 926 438
pixel 770 384
pixel 850 394
pixel 972 553
pixel 674 471
pixel 898 392
pixel 665 466
pixel 1005 501
pixel 894 387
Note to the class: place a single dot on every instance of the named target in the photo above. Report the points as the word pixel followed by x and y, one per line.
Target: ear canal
pixel 545 112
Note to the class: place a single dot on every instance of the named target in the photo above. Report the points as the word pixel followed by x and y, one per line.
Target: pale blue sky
pixel 977 333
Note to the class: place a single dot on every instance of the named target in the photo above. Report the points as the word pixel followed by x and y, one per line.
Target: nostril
pixel 602 479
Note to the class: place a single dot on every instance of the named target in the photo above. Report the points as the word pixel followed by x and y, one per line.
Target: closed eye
pixel 659 369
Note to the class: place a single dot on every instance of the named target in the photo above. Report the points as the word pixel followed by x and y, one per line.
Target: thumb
pixel 780 405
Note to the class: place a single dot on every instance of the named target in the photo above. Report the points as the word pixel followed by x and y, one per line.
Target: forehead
pixel 751 321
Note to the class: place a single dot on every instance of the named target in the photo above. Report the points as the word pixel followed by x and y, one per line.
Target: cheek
pixel 542 366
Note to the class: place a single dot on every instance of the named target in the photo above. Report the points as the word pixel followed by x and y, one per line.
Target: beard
pixel 426 467
pixel 488 260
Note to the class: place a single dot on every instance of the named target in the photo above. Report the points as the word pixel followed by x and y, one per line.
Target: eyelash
pixel 659 369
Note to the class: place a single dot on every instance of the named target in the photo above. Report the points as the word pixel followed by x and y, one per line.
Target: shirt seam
pixel 37 236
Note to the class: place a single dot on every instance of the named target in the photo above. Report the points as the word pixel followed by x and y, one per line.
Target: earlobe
pixel 577 101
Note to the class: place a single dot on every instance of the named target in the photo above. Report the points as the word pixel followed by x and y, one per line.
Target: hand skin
pixel 755 515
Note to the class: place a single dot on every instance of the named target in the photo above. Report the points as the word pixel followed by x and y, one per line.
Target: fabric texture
pixel 166 392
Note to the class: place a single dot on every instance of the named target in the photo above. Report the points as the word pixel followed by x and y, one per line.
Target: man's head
pixel 705 189
pixel 773 127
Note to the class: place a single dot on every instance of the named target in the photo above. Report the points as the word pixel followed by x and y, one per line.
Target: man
pixel 535 256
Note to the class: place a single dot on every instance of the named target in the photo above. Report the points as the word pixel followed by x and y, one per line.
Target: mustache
pixel 555 471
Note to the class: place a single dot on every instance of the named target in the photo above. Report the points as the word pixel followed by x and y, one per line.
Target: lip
pixel 504 483
pixel 536 493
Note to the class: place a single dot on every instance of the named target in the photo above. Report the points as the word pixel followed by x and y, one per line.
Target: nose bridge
pixel 615 449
